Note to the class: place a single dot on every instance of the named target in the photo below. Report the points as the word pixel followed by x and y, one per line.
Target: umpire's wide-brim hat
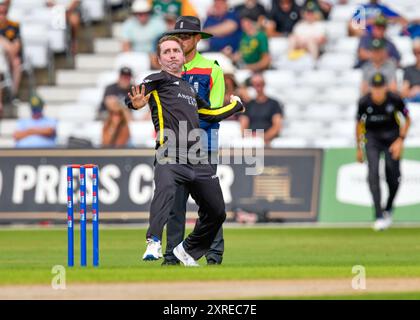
pixel 188 24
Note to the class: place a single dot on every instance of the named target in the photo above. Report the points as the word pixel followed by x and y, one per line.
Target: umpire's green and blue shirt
pixel 206 77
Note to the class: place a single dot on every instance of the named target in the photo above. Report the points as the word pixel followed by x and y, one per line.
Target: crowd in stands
pixel 242 34
pixel 10 47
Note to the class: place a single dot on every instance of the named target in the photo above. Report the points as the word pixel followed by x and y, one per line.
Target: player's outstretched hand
pixel 137 97
pixel 236 98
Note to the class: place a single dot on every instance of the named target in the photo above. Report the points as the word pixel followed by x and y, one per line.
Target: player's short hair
pixel 167 38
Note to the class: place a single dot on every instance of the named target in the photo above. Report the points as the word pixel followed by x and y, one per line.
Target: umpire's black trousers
pixel 205 189
pixel 376 144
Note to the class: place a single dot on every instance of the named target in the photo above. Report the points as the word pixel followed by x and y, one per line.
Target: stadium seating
pixel 318 97
pixel 142 134
pixel 36 47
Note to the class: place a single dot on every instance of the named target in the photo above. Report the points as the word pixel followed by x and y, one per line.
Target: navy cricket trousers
pixel 376 145
pixel 204 188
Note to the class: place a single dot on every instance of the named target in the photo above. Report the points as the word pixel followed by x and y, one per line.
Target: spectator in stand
pixel 324 6
pixel 116 130
pixel 309 34
pixel 74 19
pixel 115 93
pixel 283 16
pixel 379 63
pixel 225 26
pixel 173 7
pixel 140 31
pixel 253 9
pixel 262 112
pixel 3 71
pixel 411 84
pixel 413 29
pixel 378 32
pixel 6 2
pixel 38 131
pixel 253 52
pixel 369 14
pixel 231 85
pixel 12 46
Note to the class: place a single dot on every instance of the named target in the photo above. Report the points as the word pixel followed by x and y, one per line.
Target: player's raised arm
pixel 137 98
pixel 218 114
pixel 139 95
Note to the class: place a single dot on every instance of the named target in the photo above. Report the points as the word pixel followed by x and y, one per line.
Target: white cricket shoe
pixel 379 224
pixel 184 257
pixel 153 250
pixel 387 219
pixel 383 223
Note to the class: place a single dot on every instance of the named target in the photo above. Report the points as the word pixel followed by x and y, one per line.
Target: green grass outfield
pixel 356 296
pixel 27 256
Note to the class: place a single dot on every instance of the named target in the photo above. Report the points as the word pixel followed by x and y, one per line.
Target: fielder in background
pixel 176 109
pixel 380 130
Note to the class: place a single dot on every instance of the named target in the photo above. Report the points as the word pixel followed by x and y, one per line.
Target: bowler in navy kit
pixel 381 131
pixel 176 110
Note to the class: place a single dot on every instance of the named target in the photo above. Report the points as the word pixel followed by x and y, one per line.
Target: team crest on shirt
pixel 389 108
pixel 369 109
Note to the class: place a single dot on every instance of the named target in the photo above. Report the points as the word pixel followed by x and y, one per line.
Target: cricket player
pixel 380 131
pixel 206 76
pixel 173 101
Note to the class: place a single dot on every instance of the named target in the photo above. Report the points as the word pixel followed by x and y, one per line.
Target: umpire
pixel 207 78
pixel 380 130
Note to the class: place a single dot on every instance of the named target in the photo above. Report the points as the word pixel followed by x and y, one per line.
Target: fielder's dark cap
pixel 126 71
pixel 377 44
pixel 188 24
pixel 378 80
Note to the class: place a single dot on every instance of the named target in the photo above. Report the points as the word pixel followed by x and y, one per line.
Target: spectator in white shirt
pixel 309 34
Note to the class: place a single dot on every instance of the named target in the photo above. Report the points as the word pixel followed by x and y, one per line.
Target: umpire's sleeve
pixel 218 114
